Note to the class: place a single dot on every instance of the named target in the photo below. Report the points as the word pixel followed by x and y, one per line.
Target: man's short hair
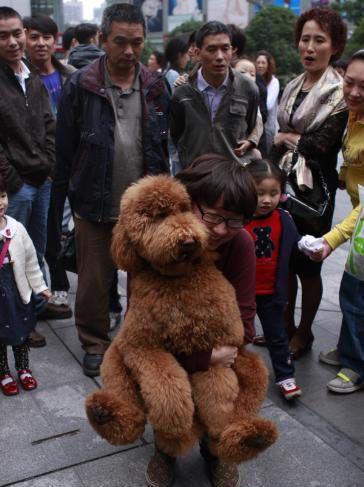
pixel 42 23
pixel 238 39
pixel 85 32
pixel 67 37
pixel 9 13
pixel 121 12
pixel 210 29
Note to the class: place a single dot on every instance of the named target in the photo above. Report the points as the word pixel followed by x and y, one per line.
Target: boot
pixel 160 470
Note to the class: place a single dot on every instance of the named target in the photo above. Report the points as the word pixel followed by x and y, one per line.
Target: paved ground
pixel 46 441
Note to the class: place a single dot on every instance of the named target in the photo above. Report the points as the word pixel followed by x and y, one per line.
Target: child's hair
pixel 264 168
pixel 2 184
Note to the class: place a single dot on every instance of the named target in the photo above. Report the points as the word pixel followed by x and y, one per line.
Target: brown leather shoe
pixel 160 470
pixel 55 312
pixel 222 474
pixel 36 339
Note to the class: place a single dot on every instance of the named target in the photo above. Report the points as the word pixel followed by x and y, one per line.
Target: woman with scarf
pixel 312 117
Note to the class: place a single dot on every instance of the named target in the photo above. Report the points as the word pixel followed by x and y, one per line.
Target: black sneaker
pixel 91 364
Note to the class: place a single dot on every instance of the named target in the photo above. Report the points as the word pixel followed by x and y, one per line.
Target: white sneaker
pixel 59 298
pixel 289 388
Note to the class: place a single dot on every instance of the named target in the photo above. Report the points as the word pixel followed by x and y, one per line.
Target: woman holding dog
pixel 312 117
pixel 224 199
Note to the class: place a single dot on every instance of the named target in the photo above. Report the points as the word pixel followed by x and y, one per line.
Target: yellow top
pixel 343 230
pixel 352 170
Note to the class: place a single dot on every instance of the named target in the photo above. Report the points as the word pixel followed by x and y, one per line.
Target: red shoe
pixel 289 389
pixel 27 380
pixel 8 385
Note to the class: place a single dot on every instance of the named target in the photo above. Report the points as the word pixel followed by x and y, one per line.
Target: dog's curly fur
pixel 179 303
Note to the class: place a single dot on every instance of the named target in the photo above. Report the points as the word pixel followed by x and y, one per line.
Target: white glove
pixel 311 245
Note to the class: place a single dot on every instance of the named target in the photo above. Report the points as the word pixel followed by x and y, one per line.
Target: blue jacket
pixel 288 246
pixel 85 138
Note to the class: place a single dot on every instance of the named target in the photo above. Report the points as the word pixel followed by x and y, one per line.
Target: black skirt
pixel 17 319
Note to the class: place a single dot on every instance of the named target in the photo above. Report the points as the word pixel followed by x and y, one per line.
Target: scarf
pixel 324 99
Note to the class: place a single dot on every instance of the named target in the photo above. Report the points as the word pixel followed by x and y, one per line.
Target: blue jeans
pixel 351 341
pixel 30 207
pixel 271 315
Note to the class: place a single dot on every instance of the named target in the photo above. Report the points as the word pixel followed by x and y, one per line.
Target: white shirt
pixel 22 76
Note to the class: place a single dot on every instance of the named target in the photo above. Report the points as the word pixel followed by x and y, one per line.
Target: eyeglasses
pixel 214 219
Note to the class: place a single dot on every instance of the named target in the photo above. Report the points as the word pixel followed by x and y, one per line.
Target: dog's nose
pixel 188 246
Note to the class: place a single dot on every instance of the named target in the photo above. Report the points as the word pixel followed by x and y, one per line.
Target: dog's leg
pixel 246 434
pixel 116 411
pixel 164 387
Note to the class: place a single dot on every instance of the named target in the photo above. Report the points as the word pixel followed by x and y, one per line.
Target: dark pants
pixel 351 341
pixel 271 314
pixel 96 272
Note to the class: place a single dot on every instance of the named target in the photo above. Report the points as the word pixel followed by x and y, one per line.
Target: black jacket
pixel 85 138
pixel 27 130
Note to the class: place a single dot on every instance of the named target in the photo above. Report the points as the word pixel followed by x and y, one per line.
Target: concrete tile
pixel 69 338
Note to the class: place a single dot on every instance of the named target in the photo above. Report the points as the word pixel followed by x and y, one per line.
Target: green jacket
pixel 191 128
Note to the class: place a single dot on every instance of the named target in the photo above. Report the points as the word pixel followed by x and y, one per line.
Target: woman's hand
pixel 289 139
pixel 322 254
pixel 244 146
pixel 224 356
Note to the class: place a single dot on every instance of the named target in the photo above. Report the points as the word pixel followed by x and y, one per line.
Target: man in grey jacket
pixel 217 109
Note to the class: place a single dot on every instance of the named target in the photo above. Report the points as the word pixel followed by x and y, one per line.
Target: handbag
pixel 68 252
pixel 311 209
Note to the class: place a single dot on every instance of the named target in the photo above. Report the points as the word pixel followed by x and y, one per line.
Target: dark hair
pixel 41 23
pixel 238 39
pixel 176 45
pixel 121 12
pixel 8 13
pixel 67 37
pixel 85 32
pixel 271 66
pixel 210 29
pixel 192 38
pixel 330 21
pixel 213 176
pixel 159 58
pixel 357 56
pixel 340 63
pixel 2 179
pixel 264 168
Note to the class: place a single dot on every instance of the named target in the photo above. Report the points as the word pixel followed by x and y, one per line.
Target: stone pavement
pixel 46 441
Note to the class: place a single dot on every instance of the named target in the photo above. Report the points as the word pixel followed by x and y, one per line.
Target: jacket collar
pixel 92 78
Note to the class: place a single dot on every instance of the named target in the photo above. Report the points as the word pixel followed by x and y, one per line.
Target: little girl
pixel 275 236
pixel 19 275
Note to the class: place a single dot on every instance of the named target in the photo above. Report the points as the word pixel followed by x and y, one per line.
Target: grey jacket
pixel 191 127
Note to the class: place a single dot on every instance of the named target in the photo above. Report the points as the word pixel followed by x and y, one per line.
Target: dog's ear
pixel 123 252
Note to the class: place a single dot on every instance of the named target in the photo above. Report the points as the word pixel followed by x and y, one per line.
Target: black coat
pixel 85 138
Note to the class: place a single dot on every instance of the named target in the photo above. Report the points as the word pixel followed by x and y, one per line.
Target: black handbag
pixel 311 209
pixel 68 252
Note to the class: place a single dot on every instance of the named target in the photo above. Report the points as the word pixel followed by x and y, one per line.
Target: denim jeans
pixel 351 341
pixel 30 207
pixel 271 315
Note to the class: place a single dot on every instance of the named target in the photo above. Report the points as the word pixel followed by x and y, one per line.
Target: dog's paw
pixel 100 414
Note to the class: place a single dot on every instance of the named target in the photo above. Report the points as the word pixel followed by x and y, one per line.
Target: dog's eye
pixel 161 214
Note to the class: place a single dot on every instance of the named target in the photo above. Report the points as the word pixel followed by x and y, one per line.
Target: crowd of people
pixel 76 133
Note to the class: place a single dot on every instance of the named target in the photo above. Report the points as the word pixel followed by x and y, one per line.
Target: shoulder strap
pixel 4 251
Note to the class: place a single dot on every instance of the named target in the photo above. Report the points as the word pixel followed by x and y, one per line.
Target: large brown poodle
pixel 179 303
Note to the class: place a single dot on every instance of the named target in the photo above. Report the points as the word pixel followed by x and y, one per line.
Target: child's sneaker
pixel 289 389
pixel 345 382
pixel 331 357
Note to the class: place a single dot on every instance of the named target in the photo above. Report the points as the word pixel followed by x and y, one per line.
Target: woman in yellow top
pixel 349 353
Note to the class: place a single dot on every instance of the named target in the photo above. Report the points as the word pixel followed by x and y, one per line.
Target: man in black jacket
pixel 27 155
pixel 111 130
